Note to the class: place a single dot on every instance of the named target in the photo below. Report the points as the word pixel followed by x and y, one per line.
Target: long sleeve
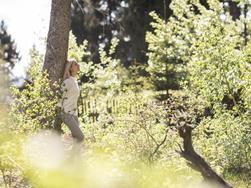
pixel 70 96
pixel 65 86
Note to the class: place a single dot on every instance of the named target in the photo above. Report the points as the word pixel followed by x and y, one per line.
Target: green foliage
pixel 105 78
pixel 205 51
pixel 33 106
pixel 126 150
pixel 166 66
pixel 216 67
pixel 10 142
pixel 225 141
pixel 12 163
pixel 128 20
pixel 109 74
pixel 138 79
pixel 218 64
pixel 136 133
pixel 76 51
pixel 134 145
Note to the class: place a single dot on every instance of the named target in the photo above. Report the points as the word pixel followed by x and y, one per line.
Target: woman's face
pixel 75 67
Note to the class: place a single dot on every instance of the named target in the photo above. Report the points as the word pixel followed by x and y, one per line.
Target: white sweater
pixel 70 96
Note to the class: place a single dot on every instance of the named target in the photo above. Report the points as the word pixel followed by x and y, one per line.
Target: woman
pixel 67 111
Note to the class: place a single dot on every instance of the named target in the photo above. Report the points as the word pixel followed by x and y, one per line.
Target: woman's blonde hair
pixel 67 70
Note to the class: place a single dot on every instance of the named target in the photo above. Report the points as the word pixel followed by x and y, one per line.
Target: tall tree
pixel 98 21
pixel 57 40
pixel 3 78
pixel 9 49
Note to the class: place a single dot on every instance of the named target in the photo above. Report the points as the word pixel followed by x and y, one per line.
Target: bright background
pixel 27 22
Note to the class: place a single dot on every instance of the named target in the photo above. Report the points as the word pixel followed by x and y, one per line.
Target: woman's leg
pixel 73 124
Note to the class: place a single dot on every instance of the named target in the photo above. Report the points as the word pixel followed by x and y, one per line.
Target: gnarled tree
pixel 185 113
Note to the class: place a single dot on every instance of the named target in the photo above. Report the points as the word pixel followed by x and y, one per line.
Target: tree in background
pixel 8 58
pixel 9 50
pixel 216 66
pixel 100 21
pixel 4 80
pixel 168 49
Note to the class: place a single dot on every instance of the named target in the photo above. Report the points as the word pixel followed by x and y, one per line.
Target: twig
pixel 159 145
pixel 15 163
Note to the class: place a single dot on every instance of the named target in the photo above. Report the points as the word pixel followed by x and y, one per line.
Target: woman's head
pixel 71 68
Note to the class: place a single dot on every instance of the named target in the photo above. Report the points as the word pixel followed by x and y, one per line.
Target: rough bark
pixel 57 39
pixel 196 162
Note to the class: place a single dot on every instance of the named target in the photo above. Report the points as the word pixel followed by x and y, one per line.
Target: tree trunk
pixel 57 40
pixel 234 10
pixel 196 162
pixel 245 25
